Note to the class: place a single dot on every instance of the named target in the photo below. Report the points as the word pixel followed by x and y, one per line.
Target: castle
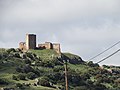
pixel 31 44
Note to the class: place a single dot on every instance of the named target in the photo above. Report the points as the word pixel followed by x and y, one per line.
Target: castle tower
pixel 30 41
pixel 56 47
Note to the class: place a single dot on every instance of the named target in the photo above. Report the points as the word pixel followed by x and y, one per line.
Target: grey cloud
pixel 60 10
pixel 83 27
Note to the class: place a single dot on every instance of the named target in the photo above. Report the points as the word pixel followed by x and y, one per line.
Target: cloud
pixel 83 27
pixel 58 10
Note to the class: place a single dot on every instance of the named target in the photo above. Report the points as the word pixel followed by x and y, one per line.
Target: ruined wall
pixel 46 45
pixel 31 44
pixel 30 41
pixel 42 46
pixel 22 45
pixel 56 47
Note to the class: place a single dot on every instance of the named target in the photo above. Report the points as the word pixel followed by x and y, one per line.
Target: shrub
pixel 31 75
pixel 14 77
pixel 29 55
pixel 22 76
pixel 27 69
pixel 3 81
pixel 24 69
pixel 19 69
pixel 39 63
pixel 81 88
pixel 58 68
pixel 44 81
pixel 7 88
pixel 27 61
pixel 19 85
pixel 17 55
pixel 0 56
pixel 48 64
pixel 11 50
pixel 90 63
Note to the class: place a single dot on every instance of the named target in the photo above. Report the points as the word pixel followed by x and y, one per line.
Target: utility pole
pixel 66 75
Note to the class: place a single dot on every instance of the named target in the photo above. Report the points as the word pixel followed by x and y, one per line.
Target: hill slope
pixel 44 70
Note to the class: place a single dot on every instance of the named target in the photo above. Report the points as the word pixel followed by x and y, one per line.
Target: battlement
pixel 31 44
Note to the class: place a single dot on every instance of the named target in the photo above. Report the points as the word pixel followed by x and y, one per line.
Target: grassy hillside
pixel 44 70
pixel 46 54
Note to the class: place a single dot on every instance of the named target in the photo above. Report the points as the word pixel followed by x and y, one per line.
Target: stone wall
pixel 49 45
pixel 31 44
pixel 30 41
pixel 56 47
pixel 22 45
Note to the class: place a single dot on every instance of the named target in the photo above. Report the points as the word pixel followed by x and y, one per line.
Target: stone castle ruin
pixel 31 44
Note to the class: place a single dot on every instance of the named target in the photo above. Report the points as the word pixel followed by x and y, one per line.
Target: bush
pixel 39 63
pixel 22 76
pixel 48 64
pixel 31 75
pixel 3 81
pixel 7 88
pixel 24 69
pixel 17 55
pixel 19 69
pixel 44 81
pixel 29 55
pixel 90 63
pixel 0 56
pixel 81 88
pixel 27 69
pixel 11 50
pixel 19 85
pixel 14 77
pixel 38 72
pixel 27 61
pixel 58 68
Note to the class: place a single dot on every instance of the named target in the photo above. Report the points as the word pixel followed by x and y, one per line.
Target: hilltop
pixel 44 70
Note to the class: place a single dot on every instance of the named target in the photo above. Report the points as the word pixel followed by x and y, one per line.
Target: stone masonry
pixel 31 44
pixel 49 45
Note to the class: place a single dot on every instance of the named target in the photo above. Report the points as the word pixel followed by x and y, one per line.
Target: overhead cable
pixel 105 50
pixel 109 56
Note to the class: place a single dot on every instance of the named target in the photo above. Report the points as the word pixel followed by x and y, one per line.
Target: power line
pixel 109 56
pixel 105 50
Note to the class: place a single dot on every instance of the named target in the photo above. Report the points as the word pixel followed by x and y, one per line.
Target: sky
pixel 82 27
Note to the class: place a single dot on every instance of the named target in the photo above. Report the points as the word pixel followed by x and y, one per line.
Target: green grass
pixel 71 56
pixel 81 68
pixel 46 54
pixel 2 50
pixel 41 88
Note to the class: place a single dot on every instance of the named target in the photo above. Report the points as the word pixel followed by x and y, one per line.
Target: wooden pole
pixel 66 76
